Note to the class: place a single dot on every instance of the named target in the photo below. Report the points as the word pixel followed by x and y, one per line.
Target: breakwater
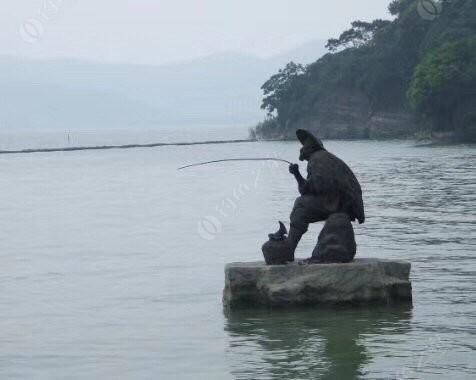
pixel 128 146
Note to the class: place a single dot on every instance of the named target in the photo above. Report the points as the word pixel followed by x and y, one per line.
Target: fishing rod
pixel 235 159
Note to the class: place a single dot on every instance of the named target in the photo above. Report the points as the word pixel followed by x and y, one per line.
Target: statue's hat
pixel 308 140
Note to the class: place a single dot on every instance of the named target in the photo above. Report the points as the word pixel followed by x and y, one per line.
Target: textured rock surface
pixel 361 281
pixel 391 125
pixel 341 115
pixel 336 242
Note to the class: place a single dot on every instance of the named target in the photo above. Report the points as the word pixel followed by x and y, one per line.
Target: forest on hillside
pixel 414 74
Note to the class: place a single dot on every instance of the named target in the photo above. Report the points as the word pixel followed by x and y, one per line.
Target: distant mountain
pixel 305 54
pixel 222 89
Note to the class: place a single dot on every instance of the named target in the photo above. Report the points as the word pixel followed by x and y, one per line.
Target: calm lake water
pixel 112 264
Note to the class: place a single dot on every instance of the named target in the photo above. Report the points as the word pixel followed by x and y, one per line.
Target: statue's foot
pixel 311 260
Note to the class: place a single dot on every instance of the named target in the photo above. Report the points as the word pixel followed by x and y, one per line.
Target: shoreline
pixel 418 144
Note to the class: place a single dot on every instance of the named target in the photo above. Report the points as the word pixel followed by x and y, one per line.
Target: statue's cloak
pixel 330 177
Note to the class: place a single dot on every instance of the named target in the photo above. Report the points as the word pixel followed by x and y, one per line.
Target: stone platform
pixel 297 284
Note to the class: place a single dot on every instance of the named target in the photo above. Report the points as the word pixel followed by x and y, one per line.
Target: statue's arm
pixel 303 184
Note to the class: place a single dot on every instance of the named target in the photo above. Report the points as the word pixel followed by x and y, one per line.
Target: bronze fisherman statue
pixel 330 193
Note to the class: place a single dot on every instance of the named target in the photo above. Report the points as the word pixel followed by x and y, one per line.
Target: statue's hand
pixel 294 169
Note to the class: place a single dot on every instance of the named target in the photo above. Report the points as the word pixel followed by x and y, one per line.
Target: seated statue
pixel 330 188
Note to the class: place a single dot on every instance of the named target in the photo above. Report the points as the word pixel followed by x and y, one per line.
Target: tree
pixel 397 7
pixel 445 79
pixel 276 87
pixel 360 34
pixel 382 66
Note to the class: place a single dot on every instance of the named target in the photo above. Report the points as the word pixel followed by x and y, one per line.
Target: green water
pixel 109 272
pixel 310 344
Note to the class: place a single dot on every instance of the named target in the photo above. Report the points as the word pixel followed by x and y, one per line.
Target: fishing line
pixel 235 159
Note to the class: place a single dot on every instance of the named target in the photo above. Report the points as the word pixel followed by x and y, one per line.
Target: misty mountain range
pixel 221 89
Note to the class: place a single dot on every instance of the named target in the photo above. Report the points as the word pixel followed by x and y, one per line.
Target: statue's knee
pixel 299 202
pixel 297 216
pixel 296 204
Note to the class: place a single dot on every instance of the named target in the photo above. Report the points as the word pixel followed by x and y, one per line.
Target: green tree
pixel 397 7
pixel 381 66
pixel 445 81
pixel 359 35
pixel 276 88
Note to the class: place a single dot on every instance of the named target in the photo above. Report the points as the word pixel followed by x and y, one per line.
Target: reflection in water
pixel 308 344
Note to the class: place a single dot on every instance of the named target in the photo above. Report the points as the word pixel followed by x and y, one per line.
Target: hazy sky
pixel 148 31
